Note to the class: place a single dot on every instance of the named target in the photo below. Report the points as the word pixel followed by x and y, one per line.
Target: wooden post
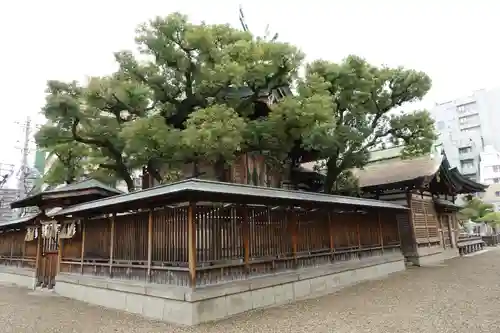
pixel 424 208
pixel 358 234
pixel 293 231
pixel 246 238
pixel 331 232
pixel 83 246
pixel 11 247
pixel 192 244
pixel 409 199
pixel 150 243
pixel 38 259
pixel 60 246
pixel 24 253
pixel 381 231
pixel 112 244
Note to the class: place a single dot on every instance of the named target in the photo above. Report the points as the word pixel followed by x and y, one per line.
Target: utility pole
pixel 24 170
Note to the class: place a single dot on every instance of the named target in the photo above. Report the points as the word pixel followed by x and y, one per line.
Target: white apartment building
pixel 465 126
pixel 490 174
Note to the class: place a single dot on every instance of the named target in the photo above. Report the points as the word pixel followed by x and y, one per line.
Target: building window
pixel 496 168
pixel 496 180
pixel 465 164
pixel 466 108
pixel 497 193
pixel 471 129
pixel 464 150
pixel 440 125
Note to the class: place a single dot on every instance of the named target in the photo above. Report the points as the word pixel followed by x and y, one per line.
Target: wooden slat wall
pixel 425 221
pixel 15 251
pixel 231 242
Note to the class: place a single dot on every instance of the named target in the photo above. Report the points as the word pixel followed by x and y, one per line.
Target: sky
pixel 452 41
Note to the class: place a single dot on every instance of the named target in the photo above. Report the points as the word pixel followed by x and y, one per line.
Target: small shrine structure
pixel 29 245
pixel 198 250
pixel 428 186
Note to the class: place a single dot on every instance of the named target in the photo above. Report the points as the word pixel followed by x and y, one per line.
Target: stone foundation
pixel 433 255
pixel 21 277
pixel 181 305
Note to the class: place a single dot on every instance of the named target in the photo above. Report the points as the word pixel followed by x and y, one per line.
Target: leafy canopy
pixel 477 210
pixel 206 93
pixel 363 100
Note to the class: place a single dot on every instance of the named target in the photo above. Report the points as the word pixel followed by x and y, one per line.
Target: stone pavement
pixel 462 295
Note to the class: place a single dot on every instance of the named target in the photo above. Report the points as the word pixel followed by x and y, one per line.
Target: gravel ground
pixel 461 295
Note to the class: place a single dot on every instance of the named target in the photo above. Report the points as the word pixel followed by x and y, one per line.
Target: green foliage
pixel 477 210
pixel 197 93
pixel 364 98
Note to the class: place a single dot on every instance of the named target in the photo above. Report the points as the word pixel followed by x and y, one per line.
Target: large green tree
pixel 207 81
pixel 479 211
pixel 364 102
pixel 200 93
pixel 88 120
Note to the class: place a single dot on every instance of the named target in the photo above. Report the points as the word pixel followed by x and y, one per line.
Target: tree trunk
pixel 153 172
pixel 332 173
pixel 196 169
pixel 129 181
pixel 220 170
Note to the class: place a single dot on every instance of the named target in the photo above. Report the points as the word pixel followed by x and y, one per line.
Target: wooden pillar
pixel 331 232
pixel 12 239
pixel 358 234
pixel 83 246
pixel 24 253
pixel 38 260
pixel 294 233
pixel 60 245
pixel 409 199
pixel 424 208
pixel 112 244
pixel 381 231
pixel 451 230
pixel 191 220
pixel 150 243
pixel 246 238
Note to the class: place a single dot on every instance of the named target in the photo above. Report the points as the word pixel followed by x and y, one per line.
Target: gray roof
pixel 19 220
pixel 84 185
pixel 397 170
pixel 206 190
pixel 87 184
pixel 446 203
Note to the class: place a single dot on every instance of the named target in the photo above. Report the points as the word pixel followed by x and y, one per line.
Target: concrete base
pixel 433 255
pixel 21 277
pixel 181 305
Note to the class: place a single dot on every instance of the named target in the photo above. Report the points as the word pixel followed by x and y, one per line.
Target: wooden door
pixel 446 230
pixel 48 265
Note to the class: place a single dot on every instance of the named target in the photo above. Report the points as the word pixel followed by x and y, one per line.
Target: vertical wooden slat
pixel 246 238
pixel 358 233
pixel 331 232
pixel 12 240
pixel 60 250
pixel 150 242
pixel 82 247
pixel 380 231
pixel 409 199
pixel 191 244
pixel 424 208
pixel 38 259
pixel 293 231
pixel 111 244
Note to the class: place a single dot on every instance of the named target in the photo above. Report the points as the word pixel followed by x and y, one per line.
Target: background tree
pixel 91 118
pixel 364 99
pixel 200 92
pixel 206 81
pixel 478 211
